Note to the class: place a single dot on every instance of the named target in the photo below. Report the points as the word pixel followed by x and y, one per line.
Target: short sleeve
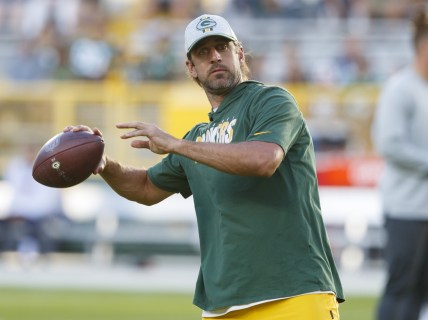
pixel 276 119
pixel 169 175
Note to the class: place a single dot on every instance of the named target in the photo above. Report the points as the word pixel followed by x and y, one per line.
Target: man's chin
pixel 219 89
pixel 219 84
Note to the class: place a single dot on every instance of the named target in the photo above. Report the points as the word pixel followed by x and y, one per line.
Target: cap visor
pixel 210 35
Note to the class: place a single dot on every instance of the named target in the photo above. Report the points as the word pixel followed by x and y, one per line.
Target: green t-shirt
pixel 260 238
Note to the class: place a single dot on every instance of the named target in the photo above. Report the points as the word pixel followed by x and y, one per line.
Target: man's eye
pixel 203 51
pixel 222 47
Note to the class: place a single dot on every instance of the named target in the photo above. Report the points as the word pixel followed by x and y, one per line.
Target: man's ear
pixel 241 54
pixel 191 69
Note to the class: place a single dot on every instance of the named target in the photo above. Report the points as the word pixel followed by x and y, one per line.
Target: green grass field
pixel 36 304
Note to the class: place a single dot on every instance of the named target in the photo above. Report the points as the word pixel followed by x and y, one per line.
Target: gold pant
pixel 317 306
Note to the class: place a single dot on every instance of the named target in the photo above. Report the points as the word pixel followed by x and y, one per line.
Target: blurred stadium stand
pixel 102 62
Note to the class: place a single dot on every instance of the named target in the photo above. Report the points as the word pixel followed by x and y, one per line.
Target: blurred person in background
pixel 10 13
pixel 92 53
pixel 283 65
pixel 33 212
pixel 251 171
pixel 352 65
pixel 36 14
pixel 159 64
pixel 152 50
pixel 400 133
pixel 37 58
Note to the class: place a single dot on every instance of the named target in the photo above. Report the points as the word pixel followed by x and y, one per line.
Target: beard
pixel 221 83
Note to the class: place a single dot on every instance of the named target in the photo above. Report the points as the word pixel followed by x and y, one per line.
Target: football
pixel 68 159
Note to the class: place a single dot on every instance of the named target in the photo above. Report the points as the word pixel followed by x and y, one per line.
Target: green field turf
pixel 36 304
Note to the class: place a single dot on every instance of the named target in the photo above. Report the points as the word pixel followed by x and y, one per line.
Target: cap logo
pixel 206 24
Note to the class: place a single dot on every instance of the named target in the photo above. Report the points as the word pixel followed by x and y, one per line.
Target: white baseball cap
pixel 206 25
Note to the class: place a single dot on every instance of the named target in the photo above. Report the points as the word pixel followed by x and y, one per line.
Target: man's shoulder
pixel 262 90
pixel 402 82
pixel 402 77
pixel 257 85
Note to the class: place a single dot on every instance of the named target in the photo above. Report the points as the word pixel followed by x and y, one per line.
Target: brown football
pixel 68 159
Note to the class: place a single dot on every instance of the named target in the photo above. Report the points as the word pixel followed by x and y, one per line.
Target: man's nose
pixel 215 55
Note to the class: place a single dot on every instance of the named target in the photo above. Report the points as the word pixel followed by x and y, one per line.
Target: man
pixel 400 133
pixel 251 171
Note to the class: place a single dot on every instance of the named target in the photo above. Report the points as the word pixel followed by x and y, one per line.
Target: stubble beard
pixel 221 83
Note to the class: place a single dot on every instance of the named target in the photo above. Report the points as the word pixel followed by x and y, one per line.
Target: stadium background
pixel 107 61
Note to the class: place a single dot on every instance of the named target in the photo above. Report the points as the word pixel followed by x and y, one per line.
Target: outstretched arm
pixel 253 158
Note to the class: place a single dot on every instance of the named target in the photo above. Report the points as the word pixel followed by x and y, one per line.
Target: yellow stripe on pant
pixel 316 306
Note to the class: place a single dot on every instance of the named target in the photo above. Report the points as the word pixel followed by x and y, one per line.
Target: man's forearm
pixel 132 183
pixel 253 158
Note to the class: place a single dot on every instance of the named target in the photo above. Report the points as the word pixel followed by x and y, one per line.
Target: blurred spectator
pixel 155 23
pixel 91 54
pixel 36 58
pixel 10 15
pixel 152 54
pixel 33 211
pixel 39 13
pixel 293 72
pixel 273 8
pixel 184 9
pixel 334 9
pixel 242 8
pixel 62 70
pixel 32 63
pixel 283 65
pixel 352 65
pixel 90 59
pixel 158 64
pixel 359 9
pixel 299 9
pixel 400 134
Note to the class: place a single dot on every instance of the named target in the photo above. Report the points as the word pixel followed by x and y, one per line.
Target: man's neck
pixel 214 100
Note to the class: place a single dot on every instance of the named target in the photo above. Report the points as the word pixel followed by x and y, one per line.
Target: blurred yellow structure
pixel 35 112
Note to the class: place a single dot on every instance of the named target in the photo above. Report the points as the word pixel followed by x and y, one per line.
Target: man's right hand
pixel 101 165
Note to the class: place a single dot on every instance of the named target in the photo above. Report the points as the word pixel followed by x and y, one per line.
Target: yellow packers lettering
pixel 222 133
